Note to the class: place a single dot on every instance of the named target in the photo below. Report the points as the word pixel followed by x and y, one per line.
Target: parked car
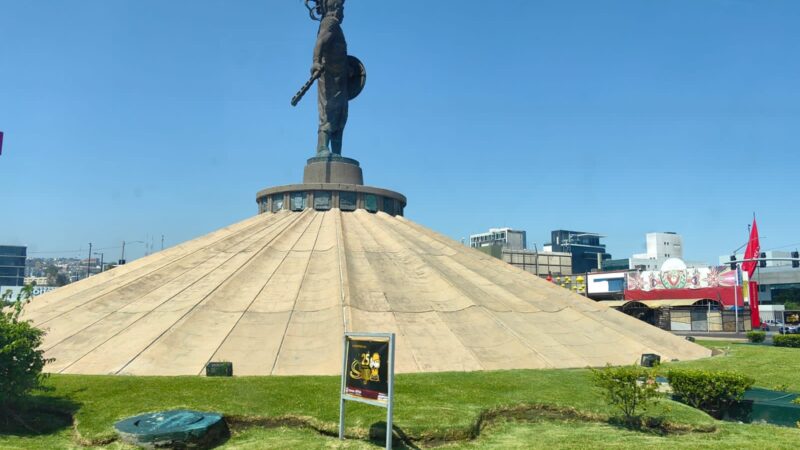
pixel 789 329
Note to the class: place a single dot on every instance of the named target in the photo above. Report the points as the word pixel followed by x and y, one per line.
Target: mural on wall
pixel 694 278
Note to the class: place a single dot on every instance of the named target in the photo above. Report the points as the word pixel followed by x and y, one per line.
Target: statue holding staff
pixel 339 76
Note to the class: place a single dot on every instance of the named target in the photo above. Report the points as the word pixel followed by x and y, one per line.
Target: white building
pixel 660 247
pixel 505 237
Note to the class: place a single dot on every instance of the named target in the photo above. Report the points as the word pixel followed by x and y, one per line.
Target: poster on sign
pixel 367 371
pixel 368 375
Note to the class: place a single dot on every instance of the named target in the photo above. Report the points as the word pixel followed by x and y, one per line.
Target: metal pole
pixel 122 258
pixel 390 406
pixel 162 242
pixel 536 258
pixel 341 390
pixel 89 262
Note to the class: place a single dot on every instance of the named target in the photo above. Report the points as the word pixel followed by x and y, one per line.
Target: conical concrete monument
pixel 274 294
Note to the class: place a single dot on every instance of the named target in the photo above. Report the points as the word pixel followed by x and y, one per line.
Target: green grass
pixel 430 408
pixel 772 367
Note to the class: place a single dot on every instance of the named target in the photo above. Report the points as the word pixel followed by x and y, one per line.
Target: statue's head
pixel 321 8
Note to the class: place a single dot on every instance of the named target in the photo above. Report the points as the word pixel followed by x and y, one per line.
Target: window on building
pixel 322 200
pixel 347 201
pixel 298 201
pixel 388 205
pixel 277 202
pixel 371 203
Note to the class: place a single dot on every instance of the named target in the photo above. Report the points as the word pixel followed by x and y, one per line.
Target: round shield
pixel 357 77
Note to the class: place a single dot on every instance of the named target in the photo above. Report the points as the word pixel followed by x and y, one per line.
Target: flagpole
pixel 736 297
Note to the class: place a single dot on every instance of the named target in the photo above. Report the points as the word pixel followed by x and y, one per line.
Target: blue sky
pixel 131 119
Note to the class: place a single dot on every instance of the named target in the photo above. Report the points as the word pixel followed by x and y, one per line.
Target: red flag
pixel 1 142
pixel 752 251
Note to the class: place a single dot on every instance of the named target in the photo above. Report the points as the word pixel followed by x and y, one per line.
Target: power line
pixel 71 251
pixel 783 246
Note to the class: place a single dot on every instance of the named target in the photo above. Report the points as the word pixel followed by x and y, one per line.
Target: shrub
pixel 756 336
pixel 21 359
pixel 627 388
pixel 712 392
pixel 786 340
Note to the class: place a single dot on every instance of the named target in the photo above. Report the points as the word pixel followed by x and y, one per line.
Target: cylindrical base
pixel 333 169
pixel 325 196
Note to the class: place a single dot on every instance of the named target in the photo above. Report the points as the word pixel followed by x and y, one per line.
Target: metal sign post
pixel 368 375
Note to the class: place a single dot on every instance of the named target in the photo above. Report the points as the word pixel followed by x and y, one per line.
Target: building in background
pixel 587 252
pixel 778 280
pixel 12 265
pixel 504 237
pixel 661 246
pixel 511 245
pixel 538 263
pixel 38 281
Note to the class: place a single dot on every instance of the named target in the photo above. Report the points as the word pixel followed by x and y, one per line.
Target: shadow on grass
pixel 37 415
pixel 377 435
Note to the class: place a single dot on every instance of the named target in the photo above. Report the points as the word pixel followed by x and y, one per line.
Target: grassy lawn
pixel 772 367
pixel 440 409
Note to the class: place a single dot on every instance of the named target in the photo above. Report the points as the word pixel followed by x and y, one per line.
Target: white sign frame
pixel 343 396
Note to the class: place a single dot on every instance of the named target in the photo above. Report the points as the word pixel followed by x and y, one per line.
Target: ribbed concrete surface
pixel 274 294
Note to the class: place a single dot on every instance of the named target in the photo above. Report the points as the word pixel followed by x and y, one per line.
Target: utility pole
pixel 101 259
pixel 89 262
pixel 162 242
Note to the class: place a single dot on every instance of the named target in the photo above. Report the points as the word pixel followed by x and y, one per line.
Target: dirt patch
pixel 526 413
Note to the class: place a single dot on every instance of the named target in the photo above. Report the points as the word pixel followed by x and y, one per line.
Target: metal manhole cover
pixel 177 428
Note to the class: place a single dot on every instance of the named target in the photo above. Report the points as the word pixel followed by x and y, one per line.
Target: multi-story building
pixel 12 265
pixel 661 246
pixel 38 281
pixel 586 250
pixel 538 263
pixel 778 281
pixel 504 237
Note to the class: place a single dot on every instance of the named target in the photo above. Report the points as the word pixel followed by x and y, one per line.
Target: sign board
pixel 368 375
pixel 605 283
pixel 15 290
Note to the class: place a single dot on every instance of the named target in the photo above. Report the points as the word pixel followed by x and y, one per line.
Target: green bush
pixel 627 388
pixel 756 336
pixel 712 392
pixel 786 340
pixel 21 359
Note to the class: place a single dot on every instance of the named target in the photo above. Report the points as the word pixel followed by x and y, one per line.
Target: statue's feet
pixel 324 153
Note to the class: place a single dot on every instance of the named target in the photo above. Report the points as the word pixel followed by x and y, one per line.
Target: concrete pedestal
pixel 333 169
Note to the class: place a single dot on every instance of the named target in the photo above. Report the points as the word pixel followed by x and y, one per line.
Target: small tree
pixel 21 359
pixel 627 388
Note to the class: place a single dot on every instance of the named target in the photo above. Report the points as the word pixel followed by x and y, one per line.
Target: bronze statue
pixel 340 77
